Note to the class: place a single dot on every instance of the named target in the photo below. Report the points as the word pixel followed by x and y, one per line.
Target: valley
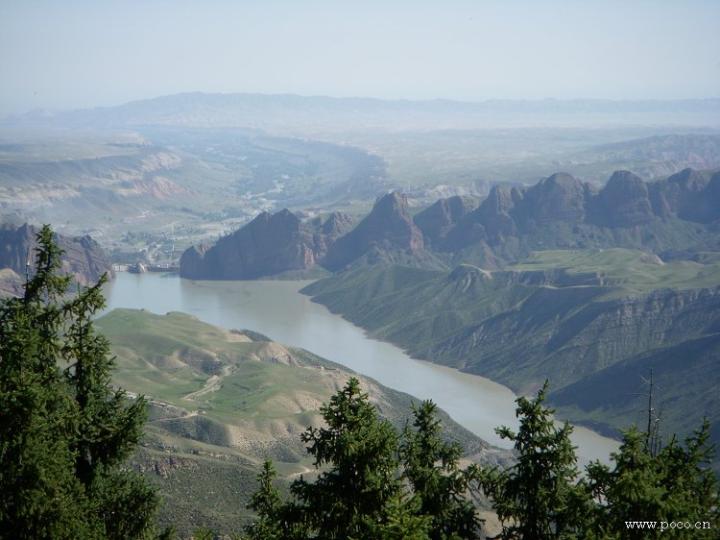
pixel 571 317
pixel 221 401
pixel 287 316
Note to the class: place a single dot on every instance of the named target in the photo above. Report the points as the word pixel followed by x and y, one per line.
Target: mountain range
pixel 306 114
pixel 671 216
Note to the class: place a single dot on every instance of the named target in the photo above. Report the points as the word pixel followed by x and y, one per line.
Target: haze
pixel 83 54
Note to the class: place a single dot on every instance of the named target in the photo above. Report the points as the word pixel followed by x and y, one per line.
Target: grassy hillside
pixel 576 317
pixel 627 270
pixel 222 402
pixel 685 385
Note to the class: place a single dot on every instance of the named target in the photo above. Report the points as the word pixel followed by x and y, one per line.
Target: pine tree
pixel 109 425
pixel 433 471
pixel 538 497
pixel 266 503
pixel 404 521
pixel 675 483
pixel 357 453
pixel 41 493
pixel 64 433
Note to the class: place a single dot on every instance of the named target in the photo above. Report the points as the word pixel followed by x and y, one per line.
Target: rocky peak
pixel 687 195
pixel 391 203
pixel 388 227
pixel 83 258
pixel 438 218
pixel 499 200
pixel 494 212
pixel 337 224
pixel 285 217
pixel 268 245
pixel 689 180
pixel 560 197
pixel 623 202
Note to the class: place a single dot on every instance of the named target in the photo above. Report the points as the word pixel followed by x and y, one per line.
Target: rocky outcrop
pixel 270 244
pixel 560 197
pixel 624 202
pixel 561 211
pixel 436 220
pixel 688 195
pixel 388 228
pixel 82 257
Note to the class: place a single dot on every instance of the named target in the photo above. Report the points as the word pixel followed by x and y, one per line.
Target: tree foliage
pixel 538 496
pixel 64 432
pixel 370 484
pixel 543 495
pixel 431 466
pixel 674 484
pixel 374 484
pixel 357 453
pixel 266 503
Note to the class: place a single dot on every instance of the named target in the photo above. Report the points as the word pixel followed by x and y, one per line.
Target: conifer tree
pixel 357 453
pixel 40 492
pixel 404 521
pixel 266 503
pixel 431 466
pixel 538 496
pixel 676 484
pixel 64 433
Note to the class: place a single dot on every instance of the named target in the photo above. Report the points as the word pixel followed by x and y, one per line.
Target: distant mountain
pixel 650 157
pixel 387 230
pixel 269 245
pixel 275 244
pixel 83 258
pixel 223 401
pixel 294 113
pixel 562 212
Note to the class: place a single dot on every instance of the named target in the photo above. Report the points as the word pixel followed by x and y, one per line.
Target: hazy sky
pixel 67 54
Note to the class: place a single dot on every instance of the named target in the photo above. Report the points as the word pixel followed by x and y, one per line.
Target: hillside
pixel 563 315
pixel 150 188
pixel 284 244
pixel 83 258
pixel 223 401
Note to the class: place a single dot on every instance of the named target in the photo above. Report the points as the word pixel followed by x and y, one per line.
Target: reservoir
pixel 278 310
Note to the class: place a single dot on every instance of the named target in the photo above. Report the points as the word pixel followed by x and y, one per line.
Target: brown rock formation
pixel 269 245
pixel 82 258
pixel 387 228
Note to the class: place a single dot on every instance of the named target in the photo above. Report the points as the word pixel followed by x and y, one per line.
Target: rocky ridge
pixel 386 229
pixel 563 212
pixel 269 245
pixel 559 212
pixel 82 258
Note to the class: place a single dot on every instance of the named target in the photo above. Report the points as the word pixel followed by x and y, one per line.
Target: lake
pixel 278 310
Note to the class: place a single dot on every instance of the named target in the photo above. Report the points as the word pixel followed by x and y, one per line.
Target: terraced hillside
pixel 222 402
pixel 592 321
